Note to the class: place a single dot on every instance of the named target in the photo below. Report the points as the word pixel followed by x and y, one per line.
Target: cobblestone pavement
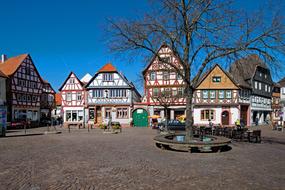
pixel 82 160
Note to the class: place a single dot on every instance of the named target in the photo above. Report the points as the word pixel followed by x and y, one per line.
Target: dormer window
pixel 108 77
pixel 216 79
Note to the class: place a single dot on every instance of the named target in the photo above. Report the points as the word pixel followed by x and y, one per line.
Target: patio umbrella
pixel 154 116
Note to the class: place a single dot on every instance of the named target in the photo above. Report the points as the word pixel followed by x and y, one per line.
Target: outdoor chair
pixel 254 136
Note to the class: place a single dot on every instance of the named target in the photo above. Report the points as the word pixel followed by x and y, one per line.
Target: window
pixel 68 115
pixel 152 75
pixel 180 92
pixel 91 113
pixel 167 92
pixel 28 71
pixel 74 115
pixel 107 113
pixel 122 112
pixel 71 81
pixel 68 97
pixel 23 97
pixel 19 97
pixel 28 98
pixel 260 74
pixel 79 96
pixel 174 92
pixel 178 76
pixel 205 94
pixel 265 76
pixel 216 79
pixel 212 94
pixel 108 77
pixel 207 114
pixel 165 59
pixel 228 94
pixel 155 92
pixel 269 88
pixel 266 88
pixel 34 98
pixel 80 115
pixel 97 93
pixel 166 75
pixel 260 86
pixel 255 84
pixel 118 93
pixel 221 94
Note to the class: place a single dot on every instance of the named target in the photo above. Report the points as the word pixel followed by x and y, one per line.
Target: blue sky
pixel 68 35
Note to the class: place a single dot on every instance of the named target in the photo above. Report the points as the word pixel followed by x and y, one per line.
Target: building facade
pixel 282 98
pixel 216 99
pixel 73 100
pixel 23 90
pixel 110 96
pixel 47 100
pixel 276 104
pixel 255 78
pixel 163 86
pixel 3 103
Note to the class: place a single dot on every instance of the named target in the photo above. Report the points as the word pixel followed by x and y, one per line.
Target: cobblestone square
pixel 93 160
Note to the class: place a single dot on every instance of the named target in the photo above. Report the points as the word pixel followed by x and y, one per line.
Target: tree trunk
pixel 189 116
pixel 166 115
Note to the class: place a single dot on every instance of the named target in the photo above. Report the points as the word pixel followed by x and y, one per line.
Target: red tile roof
pixel 58 99
pixel 2 75
pixel 10 66
pixel 108 68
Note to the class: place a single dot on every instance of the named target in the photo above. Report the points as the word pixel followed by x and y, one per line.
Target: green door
pixel 140 118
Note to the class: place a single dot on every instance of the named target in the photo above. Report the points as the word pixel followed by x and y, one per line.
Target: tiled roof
pixel 244 69
pixel 282 82
pixel 2 75
pixel 10 66
pixel 58 99
pixel 108 68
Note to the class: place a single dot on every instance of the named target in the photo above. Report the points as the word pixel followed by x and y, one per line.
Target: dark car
pixel 172 125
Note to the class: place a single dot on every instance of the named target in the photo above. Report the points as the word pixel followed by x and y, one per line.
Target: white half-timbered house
pixel 24 88
pixel 73 100
pixel 47 100
pixel 163 86
pixel 110 96
pixel 216 98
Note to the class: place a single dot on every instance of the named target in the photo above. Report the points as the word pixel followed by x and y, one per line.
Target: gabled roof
pixel 108 68
pixel 243 69
pixel 164 45
pixel 282 82
pixel 47 83
pixel 81 83
pixel 204 76
pixel 58 99
pixel 10 66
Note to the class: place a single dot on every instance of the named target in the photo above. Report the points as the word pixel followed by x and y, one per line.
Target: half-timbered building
pixel 57 111
pixel 282 98
pixel 276 104
pixel 3 107
pixel 73 100
pixel 163 86
pixel 47 100
pixel 254 73
pixel 216 98
pixel 24 88
pixel 110 96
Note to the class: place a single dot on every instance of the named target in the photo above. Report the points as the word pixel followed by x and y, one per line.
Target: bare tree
pixel 200 32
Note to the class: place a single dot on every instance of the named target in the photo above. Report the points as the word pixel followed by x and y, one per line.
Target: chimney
pixel 3 58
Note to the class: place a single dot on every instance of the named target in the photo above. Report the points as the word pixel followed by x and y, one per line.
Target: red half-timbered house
pixel 163 86
pixel 73 99
pixel 24 88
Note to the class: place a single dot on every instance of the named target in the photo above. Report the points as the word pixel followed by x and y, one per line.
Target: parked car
pixel 172 125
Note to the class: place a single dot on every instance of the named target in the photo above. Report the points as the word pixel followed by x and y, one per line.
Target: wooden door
pixel 99 115
pixel 225 118
pixel 243 114
pixel 140 118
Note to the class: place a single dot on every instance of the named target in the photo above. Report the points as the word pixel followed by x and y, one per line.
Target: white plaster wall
pixel 235 114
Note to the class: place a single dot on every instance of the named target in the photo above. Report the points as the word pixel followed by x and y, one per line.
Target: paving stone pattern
pixel 82 160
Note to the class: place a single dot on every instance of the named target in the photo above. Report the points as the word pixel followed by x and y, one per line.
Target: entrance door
pixel 98 115
pixel 243 114
pixel 140 118
pixel 225 118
